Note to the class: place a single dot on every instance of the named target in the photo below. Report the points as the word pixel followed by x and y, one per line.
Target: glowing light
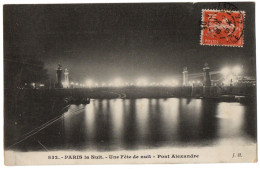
pixel 163 84
pixel 118 82
pixel 229 80
pixel 76 84
pixel 231 75
pixel 237 70
pixel 169 82
pixel 89 83
pixel 225 71
pixel 152 84
pixel 72 83
pixel 64 84
pixel 166 83
pixel 142 82
pixel 174 82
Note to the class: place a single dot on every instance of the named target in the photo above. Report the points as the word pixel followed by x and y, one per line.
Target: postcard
pixel 129 83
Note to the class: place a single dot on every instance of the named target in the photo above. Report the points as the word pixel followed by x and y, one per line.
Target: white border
pixel 150 166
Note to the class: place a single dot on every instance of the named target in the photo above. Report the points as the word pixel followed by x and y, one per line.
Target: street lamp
pixel 231 74
pixel 225 71
pixel 237 70
pixel 89 83
pixel 142 82
pixel 118 82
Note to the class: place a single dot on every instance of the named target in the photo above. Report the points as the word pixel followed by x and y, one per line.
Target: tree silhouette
pixel 19 71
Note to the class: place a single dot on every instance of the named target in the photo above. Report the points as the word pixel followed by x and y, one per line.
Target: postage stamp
pixel 222 28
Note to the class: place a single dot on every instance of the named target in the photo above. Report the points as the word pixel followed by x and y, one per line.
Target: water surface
pixel 124 124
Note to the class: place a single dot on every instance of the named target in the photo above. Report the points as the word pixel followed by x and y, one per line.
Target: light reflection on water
pixel 145 123
pixel 232 118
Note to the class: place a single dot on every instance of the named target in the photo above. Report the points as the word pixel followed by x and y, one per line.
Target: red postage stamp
pixel 222 28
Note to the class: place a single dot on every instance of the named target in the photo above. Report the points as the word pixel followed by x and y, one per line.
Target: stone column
pixel 206 75
pixel 185 76
pixel 58 77
pixel 206 81
pixel 66 78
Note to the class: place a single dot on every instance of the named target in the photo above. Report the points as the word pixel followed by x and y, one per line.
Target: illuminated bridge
pixel 229 84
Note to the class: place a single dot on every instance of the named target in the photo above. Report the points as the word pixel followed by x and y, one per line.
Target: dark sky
pixel 103 41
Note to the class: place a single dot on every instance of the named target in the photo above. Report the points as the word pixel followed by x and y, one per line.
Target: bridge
pixel 227 82
pixel 226 85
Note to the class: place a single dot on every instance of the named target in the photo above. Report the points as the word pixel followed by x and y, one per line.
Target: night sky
pixel 104 41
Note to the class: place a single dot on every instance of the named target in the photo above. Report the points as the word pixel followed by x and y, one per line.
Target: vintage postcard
pixel 129 83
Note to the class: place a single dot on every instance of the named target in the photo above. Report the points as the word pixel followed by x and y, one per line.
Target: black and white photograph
pixel 129 83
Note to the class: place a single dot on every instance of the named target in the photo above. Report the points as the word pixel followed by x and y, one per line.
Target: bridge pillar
pixel 206 81
pixel 206 75
pixel 58 77
pixel 66 77
pixel 185 76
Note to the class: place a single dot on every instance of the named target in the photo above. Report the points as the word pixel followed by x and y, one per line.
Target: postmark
pixel 222 28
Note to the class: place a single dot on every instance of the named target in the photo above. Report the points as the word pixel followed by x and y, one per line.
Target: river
pixel 130 124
